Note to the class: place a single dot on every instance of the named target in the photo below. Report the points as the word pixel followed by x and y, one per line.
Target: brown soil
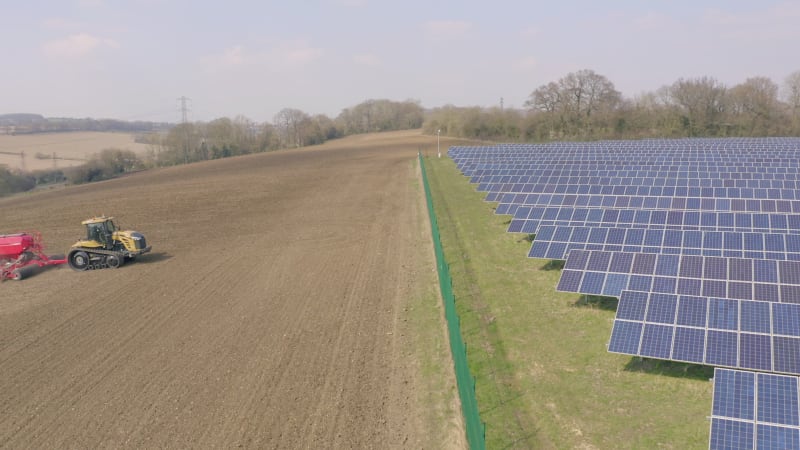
pixel 270 313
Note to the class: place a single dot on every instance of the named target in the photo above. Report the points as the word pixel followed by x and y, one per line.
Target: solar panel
pixel 754 410
pixel 776 281
pixel 786 205
pixel 529 219
pixel 713 331
pixel 556 241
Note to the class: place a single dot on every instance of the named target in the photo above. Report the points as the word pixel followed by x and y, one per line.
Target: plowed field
pixel 273 311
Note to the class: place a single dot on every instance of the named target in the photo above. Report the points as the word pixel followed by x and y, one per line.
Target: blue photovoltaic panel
pixel 713 331
pixel 755 317
pixel 656 341
pixel 689 345
pixel 777 400
pixel 532 218
pixel 754 410
pixel 700 240
pixel 734 394
pixel 570 280
pixel 707 276
pixel 626 337
pixel 721 348
pixel 731 435
pixel 692 311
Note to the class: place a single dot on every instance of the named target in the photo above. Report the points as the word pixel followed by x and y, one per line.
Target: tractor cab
pixel 101 230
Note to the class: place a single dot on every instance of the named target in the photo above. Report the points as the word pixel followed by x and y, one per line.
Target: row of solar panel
pixel 540 174
pixel 555 242
pixel 627 168
pixel 497 153
pixel 676 147
pixel 494 158
pixel 738 145
pixel 634 185
pixel 494 155
pixel 630 162
pixel 627 218
pixel 588 153
pixel 699 187
pixel 623 159
pixel 700 170
pixel 527 193
pixel 540 151
pixel 532 226
pixel 639 202
pixel 574 168
pixel 536 194
pixel 712 331
pixel 605 273
pixel 520 159
pixel 704 144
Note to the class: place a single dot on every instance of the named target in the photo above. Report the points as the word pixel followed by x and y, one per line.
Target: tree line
pixel 582 105
pixel 290 128
pixel 585 105
pixel 199 141
pixel 36 123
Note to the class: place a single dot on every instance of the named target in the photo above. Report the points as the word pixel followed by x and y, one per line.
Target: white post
pixel 438 149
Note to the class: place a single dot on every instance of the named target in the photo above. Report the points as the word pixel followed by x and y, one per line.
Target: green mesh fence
pixel 476 433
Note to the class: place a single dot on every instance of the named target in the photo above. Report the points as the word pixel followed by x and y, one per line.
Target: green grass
pixel 543 376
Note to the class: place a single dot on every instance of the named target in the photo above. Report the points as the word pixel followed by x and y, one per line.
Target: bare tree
pixel 791 90
pixel 753 105
pixel 571 105
pixel 289 123
pixel 545 98
pixel 791 95
pixel 588 92
pixel 701 101
pixel 381 115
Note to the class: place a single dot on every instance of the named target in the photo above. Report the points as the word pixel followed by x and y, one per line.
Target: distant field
pixel 69 148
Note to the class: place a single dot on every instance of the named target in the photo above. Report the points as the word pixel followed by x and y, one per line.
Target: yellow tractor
pixel 105 246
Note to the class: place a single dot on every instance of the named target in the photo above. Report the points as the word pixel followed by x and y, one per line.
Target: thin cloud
pixel 530 32
pixel 367 59
pixel 281 55
pixel 234 56
pixel 653 21
pixel 526 63
pixel 77 45
pixel 61 24
pixel 447 29
pixel 297 53
pixel 90 3
pixel 777 22
pixel 351 3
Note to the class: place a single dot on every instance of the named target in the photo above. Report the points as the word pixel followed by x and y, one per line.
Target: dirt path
pixel 270 315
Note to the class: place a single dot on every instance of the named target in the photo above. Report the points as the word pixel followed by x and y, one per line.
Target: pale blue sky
pixel 132 59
